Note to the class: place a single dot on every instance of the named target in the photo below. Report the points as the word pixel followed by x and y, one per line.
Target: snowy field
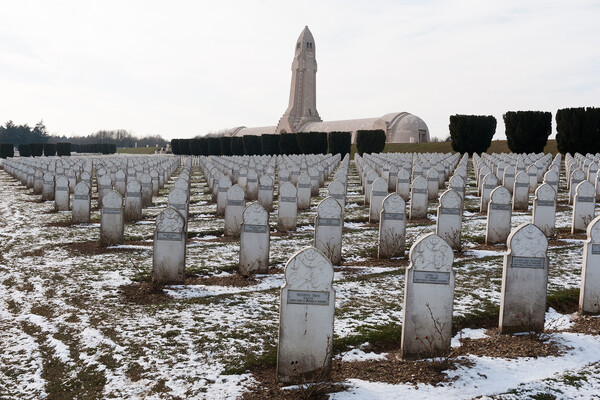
pixel 68 329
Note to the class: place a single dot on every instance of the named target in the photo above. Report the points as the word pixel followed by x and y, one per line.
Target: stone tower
pixel 303 94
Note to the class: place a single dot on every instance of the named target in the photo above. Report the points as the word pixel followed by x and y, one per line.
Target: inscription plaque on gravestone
pixel 288 199
pixel 584 199
pixel 393 216
pixel 133 194
pixel 61 188
pixel 81 197
pixel 450 211
pixel 374 193
pixel 545 203
pixel 235 202
pixel 595 248
pixel 528 262
pixel 329 222
pixel 111 210
pixel 308 297
pixel 255 228
pixel 439 278
pixel 420 191
pixel 176 236
pixel 503 207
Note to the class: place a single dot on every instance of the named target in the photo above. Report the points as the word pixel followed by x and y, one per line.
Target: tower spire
pixel 302 107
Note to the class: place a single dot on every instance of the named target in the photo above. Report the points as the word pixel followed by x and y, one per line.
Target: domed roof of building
pixel 407 128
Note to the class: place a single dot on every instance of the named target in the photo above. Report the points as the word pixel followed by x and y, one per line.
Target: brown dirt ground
pixel 94 248
pixel 587 324
pixel 143 293
pixel 508 346
pixel 372 262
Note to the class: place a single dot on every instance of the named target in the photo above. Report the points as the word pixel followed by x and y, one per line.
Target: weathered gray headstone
pixel 379 191
pixel 168 259
pixel 120 182
pixel 392 227
pixel 403 184
pixel 524 281
pixel 544 209
pixel 287 208
pixel 428 299
pixel 265 192
pixel 432 183
pixel 328 229
pixel 234 210
pixel 499 216
pixel 61 194
pixel 303 188
pixel 584 205
pixel 521 192
pixel 81 203
pixel 224 185
pixel 111 220
pixel 490 182
pixel 306 315
pixel 133 201
pixel 254 241
pixel 146 183
pixel 418 198
pixel 449 218
pixel 48 187
pixel 589 295
pixel 178 200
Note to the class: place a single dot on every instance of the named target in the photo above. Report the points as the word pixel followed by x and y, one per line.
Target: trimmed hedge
pixel 24 150
pixel 269 144
pixel 370 141
pixel 527 131
pixel 251 145
pixel 7 150
pixel 225 143
pixel 185 146
pixel 175 146
pixel 288 144
pixel 49 149
pixel 63 149
pixel 36 149
pixel 214 146
pixel 578 130
pixel 312 142
pixel 472 133
pixel 195 147
pixel 339 142
pixel 237 145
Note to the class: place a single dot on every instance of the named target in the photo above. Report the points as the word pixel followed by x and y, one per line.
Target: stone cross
pixel 392 227
pixel 168 259
pixel 328 229
pixel 524 281
pixel 254 241
pixel 307 307
pixel 428 299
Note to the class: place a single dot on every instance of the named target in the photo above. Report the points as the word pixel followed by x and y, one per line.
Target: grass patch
pixel 485 316
pixel 137 150
pixel 380 338
pixel 267 359
pixel 563 301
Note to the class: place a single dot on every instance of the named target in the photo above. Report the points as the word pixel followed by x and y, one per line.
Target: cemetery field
pixel 81 321
pixel 137 150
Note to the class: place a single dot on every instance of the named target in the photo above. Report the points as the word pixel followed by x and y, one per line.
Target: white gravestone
pixel 551 178
pixel 287 208
pixel 589 295
pixel 490 182
pixel 252 185
pixel 133 201
pixel 521 192
pixel 499 216
pixel 577 176
pixel 305 347
pixel 371 176
pixel 328 229
pixel 111 220
pixel 508 179
pixel 168 259
pixel 61 194
pixel 265 192
pixel 532 173
pixel 38 181
pixel 313 173
pixel 104 187
pixel 303 194
pixel 234 210
pixel 428 299
pixel 457 183
pixel 418 198
pixel 254 241
pixel 392 227
pixel 120 182
pixel 544 209
pixel 379 191
pixel 146 183
pixel 403 184
pixel 337 190
pixel 432 184
pixel 584 204
pixel 179 201
pixel 81 203
pixel 224 185
pixel 48 187
pixel 155 182
pixel 392 178
pixel 524 281
pixel 449 218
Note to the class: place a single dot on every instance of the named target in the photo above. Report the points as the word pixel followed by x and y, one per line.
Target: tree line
pixel 578 131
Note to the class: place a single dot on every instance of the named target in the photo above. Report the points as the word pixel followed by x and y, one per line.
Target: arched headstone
pixel 403 184
pixel 178 200
pixel 133 201
pixel 61 194
pixel 499 216
pixel 589 295
pixel 265 192
pixel 233 211
pixel 544 209
pixel 392 227
pixel 111 220
pixel 48 187
pixel 379 191
pixel 104 187
pixel 81 203
pixel 449 218
pixel 521 192
pixel 418 198
pixel 328 229
pixel 224 185
pixel 303 191
pixel 584 205
pixel 254 241
pixel 490 182
pixel 287 208
pixel 168 259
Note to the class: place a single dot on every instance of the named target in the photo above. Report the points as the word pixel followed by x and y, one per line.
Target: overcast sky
pixel 183 68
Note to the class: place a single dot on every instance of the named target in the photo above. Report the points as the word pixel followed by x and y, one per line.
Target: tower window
pixel 307 43
pixel 298 45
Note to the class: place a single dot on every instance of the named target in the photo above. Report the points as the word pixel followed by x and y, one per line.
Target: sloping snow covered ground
pixel 66 332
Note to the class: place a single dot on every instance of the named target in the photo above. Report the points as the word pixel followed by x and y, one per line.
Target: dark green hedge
pixel 24 150
pixel 49 149
pixel 7 150
pixel 339 142
pixel 288 144
pixel 237 146
pixel 63 149
pixel 527 131
pixel 175 146
pixel 472 133
pixel 195 147
pixel 370 141
pixel 214 146
pixel 269 144
pixel 578 130
pixel 36 149
pixel 225 143
pixel 185 146
pixel 251 145
pixel 312 142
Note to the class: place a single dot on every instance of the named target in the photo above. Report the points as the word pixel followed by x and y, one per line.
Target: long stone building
pixel 302 115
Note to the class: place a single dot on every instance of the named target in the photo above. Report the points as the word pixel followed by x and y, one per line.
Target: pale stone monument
pixel 551 178
pixel 371 177
pixel 234 210
pixel 111 220
pixel 544 209
pixel 62 197
pixel 428 299
pixel 457 183
pixel 418 198
pixel 337 190
pixel 524 281
pixel 104 187
pixel 508 179
pixel 133 201
pixel 48 187
pixel 392 227
pixel 328 229
pixel 307 306
pixel 224 185
pixel 577 176
pixel 81 204
pixel 403 184
pixel 178 200
pixel 38 181
pixel 287 208
pixel 379 190
pixel 499 216
pixel 432 184
pixel 303 191
pixel 265 192
pixel 252 185
pixel 521 192
pixel 146 183
pixel 584 204
pixel 120 182
pixel 589 295
pixel 449 218
pixel 168 259
pixel 254 241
